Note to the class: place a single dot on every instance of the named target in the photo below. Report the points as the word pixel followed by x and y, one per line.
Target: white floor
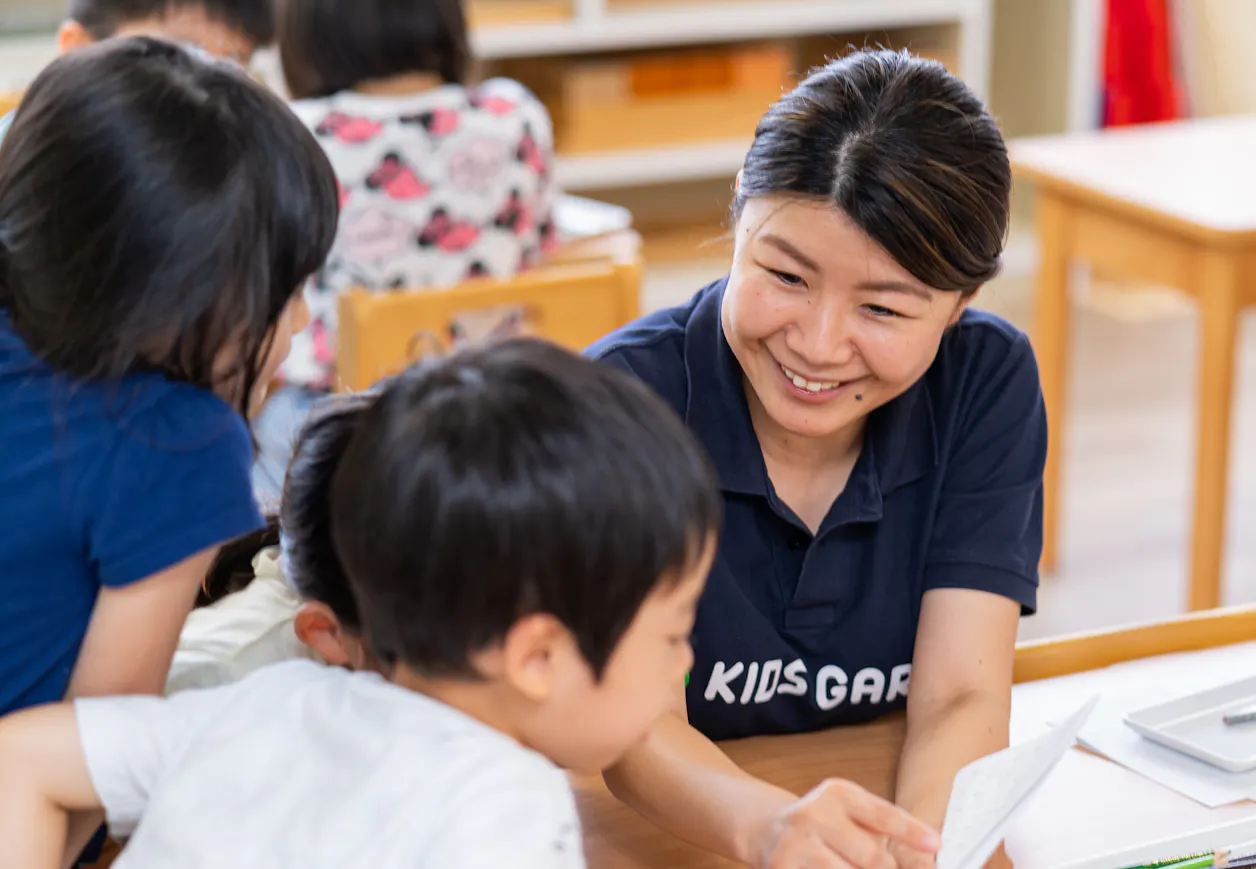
pixel 1129 453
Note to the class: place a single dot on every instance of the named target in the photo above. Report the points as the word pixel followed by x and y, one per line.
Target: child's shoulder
pixel 143 410
pixel 171 416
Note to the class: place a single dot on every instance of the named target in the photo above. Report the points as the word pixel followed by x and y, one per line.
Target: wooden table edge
pixel 1082 652
pixel 1089 197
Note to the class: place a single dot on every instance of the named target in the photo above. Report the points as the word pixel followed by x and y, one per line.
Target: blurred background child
pixel 441 180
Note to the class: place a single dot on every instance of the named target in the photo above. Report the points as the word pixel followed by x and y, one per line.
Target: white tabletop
pixel 1198 172
pixel 1088 805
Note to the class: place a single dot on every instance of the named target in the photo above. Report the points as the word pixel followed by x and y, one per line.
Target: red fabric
pixel 1139 81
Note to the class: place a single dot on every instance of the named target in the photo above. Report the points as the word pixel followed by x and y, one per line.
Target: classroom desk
pixel 1170 204
pixel 1087 806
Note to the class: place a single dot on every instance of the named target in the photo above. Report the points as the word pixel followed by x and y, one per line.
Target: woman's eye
pixel 786 278
pixel 879 311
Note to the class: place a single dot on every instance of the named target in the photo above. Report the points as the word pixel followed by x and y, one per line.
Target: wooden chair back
pixel 573 300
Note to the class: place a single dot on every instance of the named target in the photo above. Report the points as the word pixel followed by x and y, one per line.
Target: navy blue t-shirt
pixel 796 632
pixel 101 484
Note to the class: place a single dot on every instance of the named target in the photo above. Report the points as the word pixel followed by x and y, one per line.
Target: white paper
pixel 1106 733
pixel 988 792
pixel 578 217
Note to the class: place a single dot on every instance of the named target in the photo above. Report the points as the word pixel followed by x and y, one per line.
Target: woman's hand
pixel 839 825
pixel 908 858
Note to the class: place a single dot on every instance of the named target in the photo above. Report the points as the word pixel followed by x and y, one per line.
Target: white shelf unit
pixel 600 26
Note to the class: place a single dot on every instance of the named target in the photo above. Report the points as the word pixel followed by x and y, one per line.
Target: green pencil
pixel 1190 861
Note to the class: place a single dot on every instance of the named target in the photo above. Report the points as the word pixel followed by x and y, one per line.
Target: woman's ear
pixel 737 180
pixel 72 35
pixel 317 627
pixel 965 299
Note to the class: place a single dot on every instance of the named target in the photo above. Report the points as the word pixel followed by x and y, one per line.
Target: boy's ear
pixel 530 657
pixel 72 35
pixel 317 627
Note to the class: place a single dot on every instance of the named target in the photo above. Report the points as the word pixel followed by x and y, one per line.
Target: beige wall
pixel 1029 75
pixel 1215 37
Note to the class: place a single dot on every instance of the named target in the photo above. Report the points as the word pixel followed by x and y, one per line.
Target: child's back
pixel 101 484
pixel 313 766
pixel 441 181
pixel 159 214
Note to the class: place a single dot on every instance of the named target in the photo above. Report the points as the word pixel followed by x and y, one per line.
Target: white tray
pixel 1193 725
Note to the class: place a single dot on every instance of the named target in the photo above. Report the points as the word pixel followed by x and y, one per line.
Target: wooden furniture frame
pixel 583 292
pixel 1169 204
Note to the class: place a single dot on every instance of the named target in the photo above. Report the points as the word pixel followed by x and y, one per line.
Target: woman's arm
pixel 45 777
pixel 134 630
pixel 959 701
pixel 682 782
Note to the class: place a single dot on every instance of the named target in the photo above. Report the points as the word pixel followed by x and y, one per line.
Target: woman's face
pixel 826 325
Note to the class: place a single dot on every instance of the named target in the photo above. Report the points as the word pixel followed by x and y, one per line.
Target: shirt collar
pixel 900 445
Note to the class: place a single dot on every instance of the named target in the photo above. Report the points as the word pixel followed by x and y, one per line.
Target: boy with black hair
pixel 231 29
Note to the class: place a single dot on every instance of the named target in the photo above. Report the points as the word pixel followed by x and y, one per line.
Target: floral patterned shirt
pixel 435 188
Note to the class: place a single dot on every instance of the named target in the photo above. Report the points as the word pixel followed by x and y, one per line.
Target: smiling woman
pixel 880 447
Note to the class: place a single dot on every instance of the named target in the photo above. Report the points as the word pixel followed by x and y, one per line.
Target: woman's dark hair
pixel 303 526
pixel 509 479
pixel 905 150
pixel 102 18
pixel 158 210
pixel 329 46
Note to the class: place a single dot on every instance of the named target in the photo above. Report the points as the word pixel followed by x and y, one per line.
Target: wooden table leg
pixel 1220 275
pixel 1050 340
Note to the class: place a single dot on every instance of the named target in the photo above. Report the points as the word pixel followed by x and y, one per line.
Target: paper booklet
pixel 988 792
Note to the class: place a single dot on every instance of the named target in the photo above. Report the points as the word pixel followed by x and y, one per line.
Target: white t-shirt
pixel 245 631
pixel 306 766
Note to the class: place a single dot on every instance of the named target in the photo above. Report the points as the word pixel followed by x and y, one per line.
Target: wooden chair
pixel 576 297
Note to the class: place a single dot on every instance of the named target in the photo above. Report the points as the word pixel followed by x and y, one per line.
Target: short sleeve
pixel 130 743
pixel 523 817
pixel 987 533
pixel 237 635
pixel 176 482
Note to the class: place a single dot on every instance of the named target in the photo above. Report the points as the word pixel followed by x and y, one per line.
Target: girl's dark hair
pixel 905 150
pixel 102 18
pixel 508 479
pixel 303 527
pixel 158 210
pixel 311 563
pixel 329 46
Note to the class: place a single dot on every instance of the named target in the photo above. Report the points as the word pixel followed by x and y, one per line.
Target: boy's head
pixel 233 29
pixel 528 533
pixel 327 621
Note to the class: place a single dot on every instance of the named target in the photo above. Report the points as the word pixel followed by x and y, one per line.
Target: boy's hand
pixel 839 825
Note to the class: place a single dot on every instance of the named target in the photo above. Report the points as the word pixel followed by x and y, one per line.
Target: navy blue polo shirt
pixel 798 632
